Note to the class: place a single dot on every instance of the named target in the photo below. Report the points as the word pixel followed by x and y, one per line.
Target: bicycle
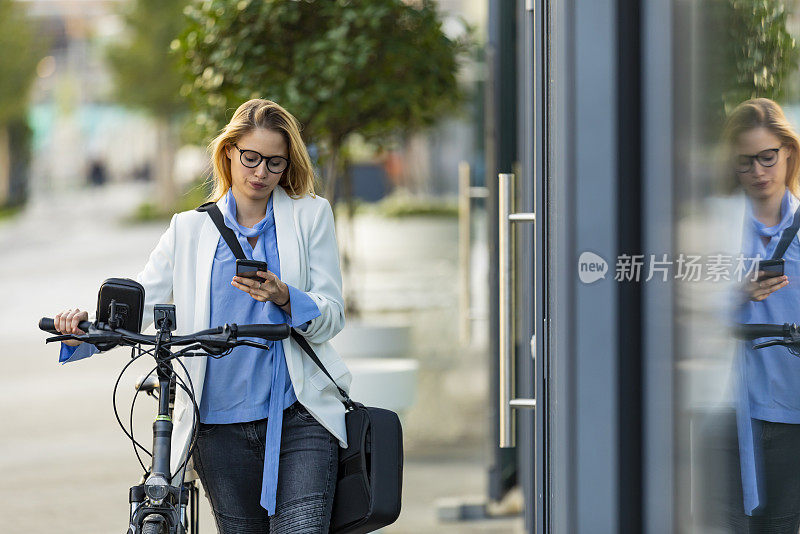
pixel 157 506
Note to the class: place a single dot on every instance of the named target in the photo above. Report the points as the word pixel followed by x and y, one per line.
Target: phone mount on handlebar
pixel 165 313
pixel 120 304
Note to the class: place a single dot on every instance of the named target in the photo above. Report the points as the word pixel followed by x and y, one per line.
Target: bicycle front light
pixel 156 488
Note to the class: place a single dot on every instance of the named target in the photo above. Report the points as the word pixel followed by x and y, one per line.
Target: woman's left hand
pixel 270 289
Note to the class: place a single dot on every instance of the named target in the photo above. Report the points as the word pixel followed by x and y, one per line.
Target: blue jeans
pixel 229 459
pixel 720 493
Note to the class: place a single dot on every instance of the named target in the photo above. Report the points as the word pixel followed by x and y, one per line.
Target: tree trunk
pixel 331 173
pixel 334 166
pixel 352 308
pixel 5 165
pixel 166 190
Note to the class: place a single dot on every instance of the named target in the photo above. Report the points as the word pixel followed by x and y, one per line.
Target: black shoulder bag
pixel 370 475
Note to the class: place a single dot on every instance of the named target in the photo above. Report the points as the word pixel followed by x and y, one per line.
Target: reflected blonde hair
pixel 762 113
pixel 297 179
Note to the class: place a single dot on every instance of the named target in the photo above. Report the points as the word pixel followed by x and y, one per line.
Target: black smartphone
pixel 771 268
pixel 248 268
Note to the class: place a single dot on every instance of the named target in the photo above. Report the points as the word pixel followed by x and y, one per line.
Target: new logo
pixel 591 267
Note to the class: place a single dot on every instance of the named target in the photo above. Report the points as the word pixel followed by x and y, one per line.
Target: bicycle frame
pixel 157 500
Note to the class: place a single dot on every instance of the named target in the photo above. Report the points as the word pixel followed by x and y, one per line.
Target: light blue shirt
pixel 238 387
pixel 768 378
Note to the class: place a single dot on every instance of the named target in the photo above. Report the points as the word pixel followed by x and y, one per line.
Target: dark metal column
pixel 501 154
pixel 629 241
pixel 658 200
pixel 529 67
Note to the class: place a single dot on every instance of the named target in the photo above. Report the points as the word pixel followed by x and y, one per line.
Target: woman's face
pixel 256 183
pixel 762 181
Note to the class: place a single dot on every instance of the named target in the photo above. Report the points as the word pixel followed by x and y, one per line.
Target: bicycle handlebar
pixel 271 332
pixel 755 331
pixel 47 324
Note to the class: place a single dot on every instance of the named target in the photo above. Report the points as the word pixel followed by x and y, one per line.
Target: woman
pixel 270 421
pixel 765 158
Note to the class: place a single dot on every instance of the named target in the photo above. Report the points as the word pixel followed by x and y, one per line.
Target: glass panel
pixel 737 408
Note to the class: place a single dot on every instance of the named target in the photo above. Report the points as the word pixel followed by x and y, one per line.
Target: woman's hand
pixel 270 289
pixel 763 287
pixel 67 321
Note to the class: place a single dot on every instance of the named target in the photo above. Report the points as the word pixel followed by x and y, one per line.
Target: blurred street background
pixel 105 110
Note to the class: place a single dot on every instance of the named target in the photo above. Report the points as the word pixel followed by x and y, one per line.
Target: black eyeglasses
pixel 252 159
pixel 766 158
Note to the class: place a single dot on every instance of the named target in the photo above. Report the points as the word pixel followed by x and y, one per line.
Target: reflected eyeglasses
pixel 252 159
pixel 766 158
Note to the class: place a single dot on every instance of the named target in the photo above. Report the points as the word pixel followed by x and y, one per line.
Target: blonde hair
pixel 297 179
pixel 762 113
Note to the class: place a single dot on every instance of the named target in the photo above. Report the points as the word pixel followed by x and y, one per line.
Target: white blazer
pixel 179 271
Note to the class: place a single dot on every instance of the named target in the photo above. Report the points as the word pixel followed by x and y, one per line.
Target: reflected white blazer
pixel 179 271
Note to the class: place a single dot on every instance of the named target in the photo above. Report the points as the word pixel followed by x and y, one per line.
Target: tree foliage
pixel 20 54
pixel 146 75
pixel 340 66
pixel 762 52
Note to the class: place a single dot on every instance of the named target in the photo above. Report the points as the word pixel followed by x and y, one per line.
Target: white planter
pixel 373 340
pixel 389 383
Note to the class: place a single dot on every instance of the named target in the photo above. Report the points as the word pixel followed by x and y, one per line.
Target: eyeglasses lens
pixel 767 158
pixel 275 164
pixel 250 158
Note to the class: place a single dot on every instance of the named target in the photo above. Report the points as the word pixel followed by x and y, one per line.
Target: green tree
pixel 147 77
pixel 762 54
pixel 21 53
pixel 377 68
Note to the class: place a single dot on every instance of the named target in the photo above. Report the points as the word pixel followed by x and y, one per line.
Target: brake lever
pixel 63 337
pixel 214 349
pixel 249 343
pixel 217 347
pixel 110 337
pixel 769 343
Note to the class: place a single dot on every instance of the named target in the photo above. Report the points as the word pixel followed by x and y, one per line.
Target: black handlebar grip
pixel 754 331
pixel 272 332
pixel 46 324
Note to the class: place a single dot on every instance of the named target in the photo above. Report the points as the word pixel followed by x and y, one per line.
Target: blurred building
pixel 76 124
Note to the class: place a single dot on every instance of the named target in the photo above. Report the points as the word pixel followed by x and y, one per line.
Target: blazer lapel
pixel 289 255
pixel 206 247
pixel 288 249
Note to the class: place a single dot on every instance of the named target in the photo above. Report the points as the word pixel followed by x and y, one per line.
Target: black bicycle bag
pixel 370 479
pixel 129 297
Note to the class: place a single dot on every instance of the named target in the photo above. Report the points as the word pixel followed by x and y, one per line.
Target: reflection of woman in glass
pixel 765 152
pixel 270 422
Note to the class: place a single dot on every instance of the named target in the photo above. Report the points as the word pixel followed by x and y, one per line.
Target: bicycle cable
pixel 130 422
pixel 136 353
pixel 116 411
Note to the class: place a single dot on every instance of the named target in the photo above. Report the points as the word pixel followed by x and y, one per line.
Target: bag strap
pixel 787 236
pixel 230 238
pixel 227 234
pixel 303 342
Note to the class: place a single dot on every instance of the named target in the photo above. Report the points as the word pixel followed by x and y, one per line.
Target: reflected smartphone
pixel 248 268
pixel 771 268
